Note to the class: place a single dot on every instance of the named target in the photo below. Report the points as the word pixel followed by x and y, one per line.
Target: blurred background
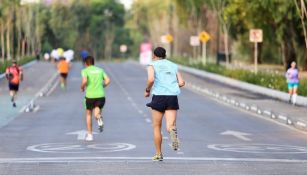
pixel 111 29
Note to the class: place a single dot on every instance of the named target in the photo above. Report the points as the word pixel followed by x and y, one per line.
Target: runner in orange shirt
pixel 63 69
pixel 14 76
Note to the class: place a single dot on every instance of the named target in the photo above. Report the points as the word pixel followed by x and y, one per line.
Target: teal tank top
pixel 165 82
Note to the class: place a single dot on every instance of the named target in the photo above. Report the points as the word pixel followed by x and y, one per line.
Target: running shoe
pixel 100 123
pixel 14 105
pixel 89 137
pixel 174 139
pixel 157 157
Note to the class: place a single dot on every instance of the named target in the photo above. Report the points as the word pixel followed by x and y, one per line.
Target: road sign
pixel 204 37
pixel 194 41
pixel 255 35
pixel 166 39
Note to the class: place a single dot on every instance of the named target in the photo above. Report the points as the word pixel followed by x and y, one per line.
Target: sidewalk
pixel 266 106
pixel 35 77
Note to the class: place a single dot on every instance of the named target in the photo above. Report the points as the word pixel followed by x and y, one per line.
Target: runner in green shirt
pixel 94 79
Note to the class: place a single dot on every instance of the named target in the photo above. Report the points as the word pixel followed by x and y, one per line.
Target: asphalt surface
pixel 215 138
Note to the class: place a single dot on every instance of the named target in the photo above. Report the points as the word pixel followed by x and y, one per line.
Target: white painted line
pixel 289 122
pixel 180 153
pixel 267 112
pixel 301 124
pixel 237 134
pixel 91 159
pixel 281 117
pixel 36 108
pixel 53 88
pixel 81 134
pixel 165 138
pixel 148 120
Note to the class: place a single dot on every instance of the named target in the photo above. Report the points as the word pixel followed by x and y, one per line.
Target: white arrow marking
pixel 81 134
pixel 237 134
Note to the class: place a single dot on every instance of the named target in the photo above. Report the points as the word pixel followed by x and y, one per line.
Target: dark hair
pixel 160 52
pixel 89 60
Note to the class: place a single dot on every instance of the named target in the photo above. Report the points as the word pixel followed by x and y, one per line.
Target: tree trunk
pixel 289 49
pixel 8 41
pixel 305 61
pixel 226 44
pixel 2 42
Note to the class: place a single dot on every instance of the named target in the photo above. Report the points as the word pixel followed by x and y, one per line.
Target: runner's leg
pixel 157 123
pixel 294 95
pixel 89 121
pixel 170 116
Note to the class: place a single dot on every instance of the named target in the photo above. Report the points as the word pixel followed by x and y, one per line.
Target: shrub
pixel 269 80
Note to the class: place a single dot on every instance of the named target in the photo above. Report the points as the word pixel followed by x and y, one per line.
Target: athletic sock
pixel 294 98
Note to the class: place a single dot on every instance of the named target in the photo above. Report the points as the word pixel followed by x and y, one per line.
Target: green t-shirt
pixel 95 77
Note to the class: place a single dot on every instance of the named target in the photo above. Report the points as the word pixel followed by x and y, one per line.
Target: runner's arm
pixel 7 72
pixel 83 84
pixel 106 81
pixel 180 79
pixel 150 80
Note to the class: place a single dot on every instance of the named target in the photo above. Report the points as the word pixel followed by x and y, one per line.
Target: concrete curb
pixel 243 85
pixel 44 91
pixel 266 113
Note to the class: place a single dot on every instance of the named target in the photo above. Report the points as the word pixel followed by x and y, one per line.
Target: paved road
pixel 216 139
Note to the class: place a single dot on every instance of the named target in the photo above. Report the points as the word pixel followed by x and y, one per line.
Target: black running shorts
pixel 92 103
pixel 13 87
pixel 164 102
pixel 64 75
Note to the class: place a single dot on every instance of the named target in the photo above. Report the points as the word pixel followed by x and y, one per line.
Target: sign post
pixel 204 37
pixel 167 39
pixel 256 36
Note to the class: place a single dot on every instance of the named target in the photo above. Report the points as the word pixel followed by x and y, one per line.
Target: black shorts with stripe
pixel 164 102
pixel 92 103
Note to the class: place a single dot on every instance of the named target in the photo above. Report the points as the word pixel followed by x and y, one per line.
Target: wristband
pixel 147 90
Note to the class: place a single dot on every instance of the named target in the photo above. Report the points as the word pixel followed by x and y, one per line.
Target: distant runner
pixel 83 55
pixel 292 76
pixel 94 79
pixel 163 82
pixel 14 76
pixel 63 69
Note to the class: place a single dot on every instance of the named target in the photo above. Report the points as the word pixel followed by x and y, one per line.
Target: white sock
pixel 294 98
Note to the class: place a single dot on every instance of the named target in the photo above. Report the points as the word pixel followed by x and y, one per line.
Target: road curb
pixel 44 91
pixel 243 85
pixel 252 108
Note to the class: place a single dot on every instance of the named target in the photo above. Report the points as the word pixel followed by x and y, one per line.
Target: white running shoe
pixel 89 137
pixel 100 123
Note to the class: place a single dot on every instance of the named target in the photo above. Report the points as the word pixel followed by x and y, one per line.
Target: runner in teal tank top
pixel 164 81
pixel 94 79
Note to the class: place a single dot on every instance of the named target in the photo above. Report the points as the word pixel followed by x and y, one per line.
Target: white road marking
pixel 146 159
pixel 81 134
pixel 80 148
pixel 237 134
pixel 148 120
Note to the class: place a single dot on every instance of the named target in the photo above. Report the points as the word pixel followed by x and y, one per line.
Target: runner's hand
pixel 82 89
pixel 146 94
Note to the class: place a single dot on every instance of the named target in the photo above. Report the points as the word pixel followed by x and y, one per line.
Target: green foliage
pixel 269 80
pixel 6 63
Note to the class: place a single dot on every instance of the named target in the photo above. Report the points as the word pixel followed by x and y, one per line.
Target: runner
pixel 94 80
pixel 292 76
pixel 63 69
pixel 163 82
pixel 83 55
pixel 14 76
